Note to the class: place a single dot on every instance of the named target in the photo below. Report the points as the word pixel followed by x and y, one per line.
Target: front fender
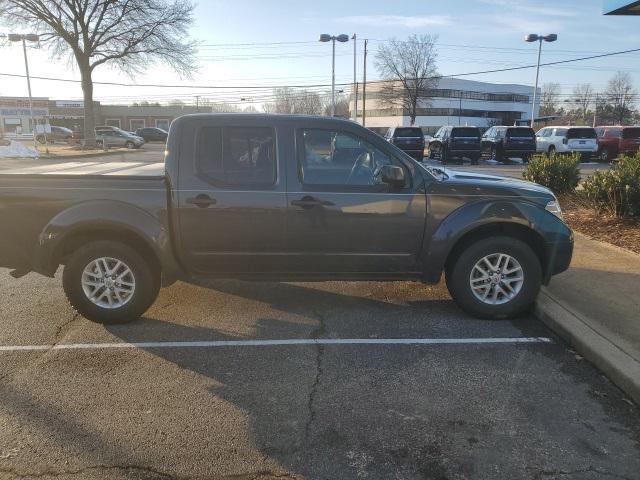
pixel 549 230
pixel 109 215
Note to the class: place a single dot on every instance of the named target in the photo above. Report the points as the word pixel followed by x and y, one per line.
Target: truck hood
pixel 472 183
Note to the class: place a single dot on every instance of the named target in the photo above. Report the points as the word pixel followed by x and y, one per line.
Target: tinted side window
pixel 560 132
pixel 338 158
pixel 237 155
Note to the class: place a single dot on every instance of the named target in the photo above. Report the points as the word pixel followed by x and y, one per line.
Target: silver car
pixel 116 137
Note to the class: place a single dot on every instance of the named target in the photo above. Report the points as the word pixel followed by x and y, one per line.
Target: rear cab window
pixel 232 156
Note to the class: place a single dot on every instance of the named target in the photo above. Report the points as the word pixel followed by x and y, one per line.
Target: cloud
pixel 397 20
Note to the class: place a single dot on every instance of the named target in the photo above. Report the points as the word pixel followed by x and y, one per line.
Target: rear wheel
pixel 444 155
pixel 110 282
pixel 495 154
pixel 604 155
pixel 552 151
pixel 130 145
pixel 497 277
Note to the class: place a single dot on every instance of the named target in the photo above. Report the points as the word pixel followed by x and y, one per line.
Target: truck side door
pixel 231 198
pixel 340 217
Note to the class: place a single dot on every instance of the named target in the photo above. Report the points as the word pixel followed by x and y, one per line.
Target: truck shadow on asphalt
pixel 344 412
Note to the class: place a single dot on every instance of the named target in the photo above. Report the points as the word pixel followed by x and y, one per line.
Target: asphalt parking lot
pixel 242 381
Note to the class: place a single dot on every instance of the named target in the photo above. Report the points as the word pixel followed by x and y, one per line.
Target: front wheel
pixel 604 155
pixel 109 282
pixel 497 277
pixel 130 145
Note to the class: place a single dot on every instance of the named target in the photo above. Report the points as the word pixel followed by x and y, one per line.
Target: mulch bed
pixel 622 232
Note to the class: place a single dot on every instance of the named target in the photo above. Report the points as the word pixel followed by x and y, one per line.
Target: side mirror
pixel 392 175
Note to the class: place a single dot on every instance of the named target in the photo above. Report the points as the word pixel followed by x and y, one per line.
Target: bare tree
pixel 581 100
pixel 411 71
pixel 342 106
pixel 620 95
pixel 126 34
pixel 290 100
pixel 549 98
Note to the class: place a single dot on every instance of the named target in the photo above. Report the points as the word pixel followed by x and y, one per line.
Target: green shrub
pixel 616 191
pixel 560 173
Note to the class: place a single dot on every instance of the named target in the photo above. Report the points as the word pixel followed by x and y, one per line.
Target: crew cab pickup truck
pixel 284 198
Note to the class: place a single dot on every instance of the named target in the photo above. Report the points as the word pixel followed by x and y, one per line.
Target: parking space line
pixel 275 343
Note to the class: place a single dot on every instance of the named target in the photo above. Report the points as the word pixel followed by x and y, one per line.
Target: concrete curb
pixel 621 368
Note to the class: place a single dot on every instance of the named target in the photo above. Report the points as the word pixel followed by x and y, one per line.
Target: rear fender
pixel 103 215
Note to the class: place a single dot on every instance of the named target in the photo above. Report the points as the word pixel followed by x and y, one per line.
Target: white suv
pixel 553 140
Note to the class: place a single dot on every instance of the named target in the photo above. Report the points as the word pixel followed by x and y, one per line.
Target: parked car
pixel 116 137
pixel 56 134
pixel 151 134
pixel 614 141
pixel 456 142
pixel 502 143
pixel 283 203
pixel 408 139
pixel 554 140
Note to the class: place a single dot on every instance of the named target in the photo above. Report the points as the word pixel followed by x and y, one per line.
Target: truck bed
pixel 119 169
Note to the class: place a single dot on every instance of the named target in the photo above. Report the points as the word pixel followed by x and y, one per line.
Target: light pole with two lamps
pixel 332 38
pixel 532 37
pixel 29 37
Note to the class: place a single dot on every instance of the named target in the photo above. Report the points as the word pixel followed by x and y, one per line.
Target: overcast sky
pixel 473 35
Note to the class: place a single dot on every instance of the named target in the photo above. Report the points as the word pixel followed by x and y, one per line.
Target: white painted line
pixel 283 342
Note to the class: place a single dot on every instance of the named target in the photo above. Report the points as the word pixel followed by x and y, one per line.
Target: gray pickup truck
pixel 278 197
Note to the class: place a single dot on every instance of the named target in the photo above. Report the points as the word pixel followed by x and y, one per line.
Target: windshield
pixel 408 132
pixel 581 133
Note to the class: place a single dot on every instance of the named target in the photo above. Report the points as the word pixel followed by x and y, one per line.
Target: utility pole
pixel 364 85
pixel 16 37
pixel 197 103
pixel 532 37
pixel 355 82
pixel 595 112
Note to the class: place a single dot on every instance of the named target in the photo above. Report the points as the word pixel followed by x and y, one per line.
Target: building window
pixel 136 123
pixel 112 122
pixel 163 124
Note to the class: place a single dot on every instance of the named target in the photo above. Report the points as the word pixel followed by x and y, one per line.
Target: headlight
pixel 554 207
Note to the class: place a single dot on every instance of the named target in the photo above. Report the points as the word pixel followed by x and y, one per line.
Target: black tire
pixel 458 277
pixel 444 155
pixel 432 155
pixel 552 151
pixel 604 155
pixel 147 282
pixel 40 139
pixel 526 159
pixel 130 145
pixel 475 160
pixel 496 155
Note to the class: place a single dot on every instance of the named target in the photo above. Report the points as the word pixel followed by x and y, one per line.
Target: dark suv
pixel 613 141
pixel 456 142
pixel 408 139
pixel 151 134
pixel 502 143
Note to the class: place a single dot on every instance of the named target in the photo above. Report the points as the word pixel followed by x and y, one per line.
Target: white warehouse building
pixel 452 102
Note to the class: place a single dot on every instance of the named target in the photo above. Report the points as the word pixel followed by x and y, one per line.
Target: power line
pixel 244 87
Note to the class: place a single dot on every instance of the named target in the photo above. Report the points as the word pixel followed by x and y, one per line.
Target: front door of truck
pixel 341 217
pixel 231 197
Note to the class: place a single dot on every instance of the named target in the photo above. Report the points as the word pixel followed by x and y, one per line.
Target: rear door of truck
pixel 231 200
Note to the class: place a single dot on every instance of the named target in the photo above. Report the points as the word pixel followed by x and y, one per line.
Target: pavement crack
pixel 151 473
pixel 319 332
pixel 567 473
pixel 63 328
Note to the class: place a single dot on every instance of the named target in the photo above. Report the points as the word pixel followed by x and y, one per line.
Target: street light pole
pixel 15 37
pixel 355 81
pixel 332 38
pixel 532 37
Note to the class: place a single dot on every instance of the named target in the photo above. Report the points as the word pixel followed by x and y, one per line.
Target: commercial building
pixel 15 114
pixel 621 7
pixel 452 102
pixel 132 117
